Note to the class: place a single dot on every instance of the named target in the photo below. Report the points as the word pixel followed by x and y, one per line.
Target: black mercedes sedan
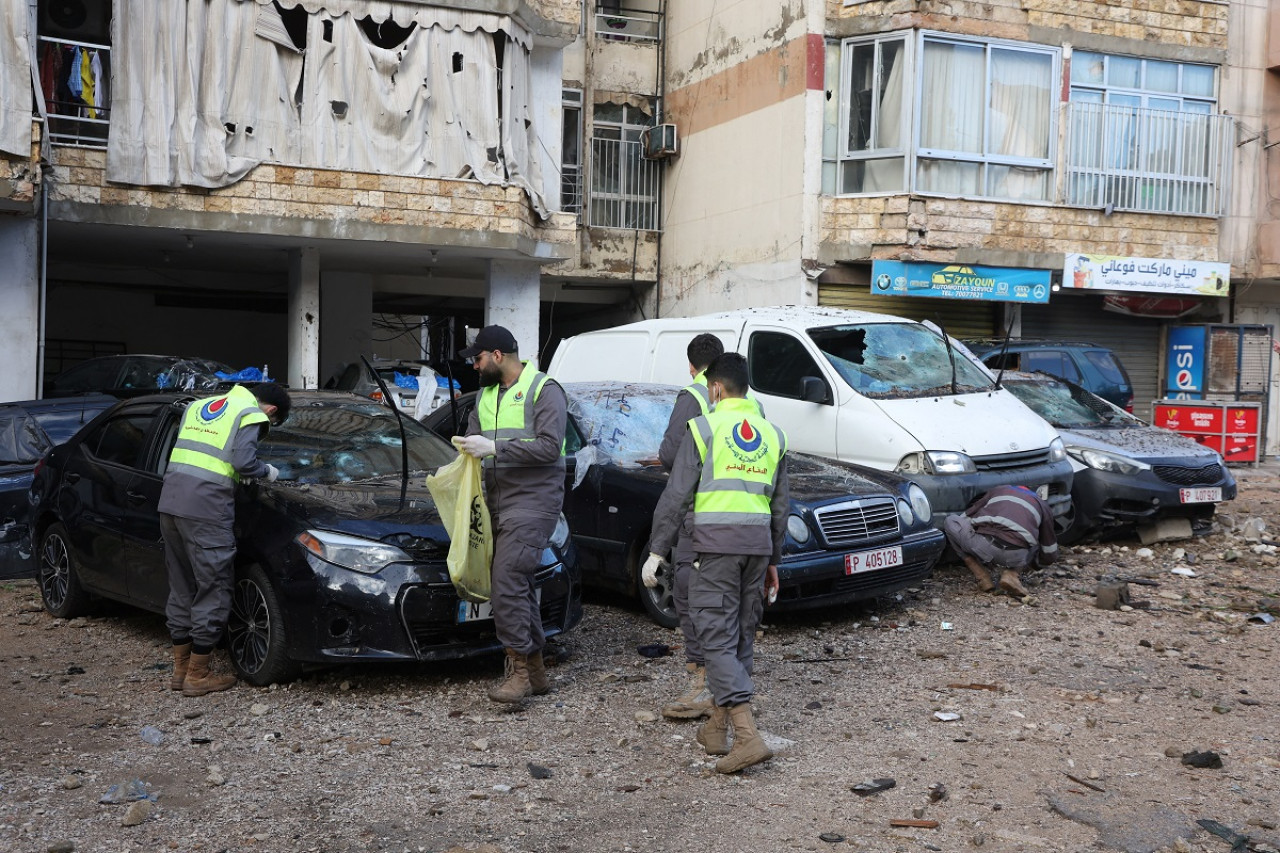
pixel 853 533
pixel 1127 472
pixel 340 560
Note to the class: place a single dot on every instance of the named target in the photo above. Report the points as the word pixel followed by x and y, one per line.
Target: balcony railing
pixel 624 186
pixel 617 23
pixel 75 80
pixel 1150 161
pixel 571 189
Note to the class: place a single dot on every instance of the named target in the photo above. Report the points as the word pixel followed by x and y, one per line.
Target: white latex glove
pixel 477 446
pixel 272 473
pixel 649 572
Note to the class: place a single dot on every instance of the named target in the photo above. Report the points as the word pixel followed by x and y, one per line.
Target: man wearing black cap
pixel 517 431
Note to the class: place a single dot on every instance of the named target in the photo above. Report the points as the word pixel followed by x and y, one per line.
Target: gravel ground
pixel 1072 726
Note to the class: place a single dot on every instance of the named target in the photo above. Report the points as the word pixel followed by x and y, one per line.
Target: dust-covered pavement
pixel 1072 726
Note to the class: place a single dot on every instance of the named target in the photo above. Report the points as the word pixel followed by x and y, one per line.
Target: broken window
pixel 571 151
pixel 889 360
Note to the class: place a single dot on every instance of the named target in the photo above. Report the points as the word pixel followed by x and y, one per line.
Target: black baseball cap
pixel 489 339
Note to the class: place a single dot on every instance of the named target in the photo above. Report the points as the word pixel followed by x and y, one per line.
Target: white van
pixel 878 390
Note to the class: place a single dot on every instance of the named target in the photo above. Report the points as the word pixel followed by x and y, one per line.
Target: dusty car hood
pixel 1147 443
pixel 370 508
pixel 976 424
pixel 814 478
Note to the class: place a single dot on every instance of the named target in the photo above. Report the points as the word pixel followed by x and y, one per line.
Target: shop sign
pixel 1232 429
pixel 957 281
pixel 1185 357
pixel 1146 275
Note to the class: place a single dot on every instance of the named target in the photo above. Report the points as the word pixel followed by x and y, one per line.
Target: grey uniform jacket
pixel 529 476
pixel 685 409
pixel 205 500
pixel 677 499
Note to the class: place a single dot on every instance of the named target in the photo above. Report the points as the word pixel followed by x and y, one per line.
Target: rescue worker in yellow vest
pixel 731 467
pixel 517 431
pixel 694 400
pixel 217 447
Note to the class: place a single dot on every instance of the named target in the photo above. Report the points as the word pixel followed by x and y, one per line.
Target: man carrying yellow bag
pixel 517 431
pixel 460 500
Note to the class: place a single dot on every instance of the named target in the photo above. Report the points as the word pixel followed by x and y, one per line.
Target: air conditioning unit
pixel 659 142
pixel 76 20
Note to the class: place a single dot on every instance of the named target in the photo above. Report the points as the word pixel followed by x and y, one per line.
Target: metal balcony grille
pixel 1179 476
pixel 77 100
pixel 858 522
pixel 1150 161
pixel 571 189
pixel 624 186
pixel 616 23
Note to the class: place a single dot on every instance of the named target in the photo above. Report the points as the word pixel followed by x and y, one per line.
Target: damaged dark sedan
pixel 853 533
pixel 1126 471
pixel 340 560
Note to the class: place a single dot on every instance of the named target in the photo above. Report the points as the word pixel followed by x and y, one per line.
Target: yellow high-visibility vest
pixel 511 417
pixel 740 453
pixel 206 438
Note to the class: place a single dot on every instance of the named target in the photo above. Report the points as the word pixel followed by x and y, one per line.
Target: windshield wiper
pixel 951 354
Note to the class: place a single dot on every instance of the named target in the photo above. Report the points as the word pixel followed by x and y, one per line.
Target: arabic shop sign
pixel 953 281
pixel 1147 275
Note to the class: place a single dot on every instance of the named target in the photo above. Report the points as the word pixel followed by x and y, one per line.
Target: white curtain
pixel 1020 122
pixel 15 78
pixel 207 89
pixel 951 115
pixel 199 98
pixel 887 175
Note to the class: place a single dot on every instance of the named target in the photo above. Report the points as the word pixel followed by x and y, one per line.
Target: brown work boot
pixel 200 680
pixel 714 733
pixel 696 701
pixel 539 684
pixel 516 686
pixel 181 660
pixel 980 573
pixel 748 747
pixel 1012 584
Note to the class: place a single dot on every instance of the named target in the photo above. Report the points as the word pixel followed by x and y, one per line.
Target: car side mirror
pixel 813 390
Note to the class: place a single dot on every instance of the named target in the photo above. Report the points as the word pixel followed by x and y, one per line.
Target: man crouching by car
pixel 217 446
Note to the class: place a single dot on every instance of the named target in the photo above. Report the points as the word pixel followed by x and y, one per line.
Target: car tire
pixel 1074 528
pixel 257 639
pixel 59 579
pixel 659 602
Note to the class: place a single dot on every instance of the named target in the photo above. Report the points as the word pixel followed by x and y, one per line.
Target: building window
pixel 624 185
pixel 983 124
pixel 571 152
pixel 1142 135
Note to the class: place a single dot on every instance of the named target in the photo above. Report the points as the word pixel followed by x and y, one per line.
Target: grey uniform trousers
pixel 518 542
pixel 200 558
pixel 726 602
pixel 970 543
pixel 684 557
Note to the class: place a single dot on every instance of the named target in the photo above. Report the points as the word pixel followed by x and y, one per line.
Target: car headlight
pixel 949 462
pixel 1057 452
pixel 797 529
pixel 560 536
pixel 920 503
pixel 904 513
pixel 366 556
pixel 1112 463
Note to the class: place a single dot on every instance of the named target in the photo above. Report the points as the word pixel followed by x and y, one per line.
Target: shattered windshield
pixel 340 442
pixel 1067 406
pixel 623 422
pixel 895 360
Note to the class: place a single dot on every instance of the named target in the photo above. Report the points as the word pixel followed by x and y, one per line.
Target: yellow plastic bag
pixel 459 496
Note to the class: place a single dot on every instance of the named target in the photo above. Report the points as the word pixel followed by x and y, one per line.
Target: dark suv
pixel 1089 365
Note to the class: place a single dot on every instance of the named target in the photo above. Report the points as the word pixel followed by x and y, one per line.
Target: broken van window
pixel 1067 406
pixel 896 360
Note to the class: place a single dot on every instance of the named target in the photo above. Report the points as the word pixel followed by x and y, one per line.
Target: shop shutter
pixel 962 318
pixel 1134 340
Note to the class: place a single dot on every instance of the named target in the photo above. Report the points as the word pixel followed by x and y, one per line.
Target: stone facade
pixel 1187 23
pixel 343 201
pixel 1003 234
pixel 19 178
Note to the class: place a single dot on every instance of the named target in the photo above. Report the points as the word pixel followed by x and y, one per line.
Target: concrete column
pixel 346 312
pixel 512 302
pixel 19 307
pixel 304 318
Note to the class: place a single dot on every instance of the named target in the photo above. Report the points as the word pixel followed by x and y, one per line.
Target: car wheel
pixel 659 602
pixel 1072 527
pixel 60 587
pixel 256 637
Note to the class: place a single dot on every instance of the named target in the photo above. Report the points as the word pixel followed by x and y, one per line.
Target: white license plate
pixel 1200 496
pixel 470 611
pixel 869 561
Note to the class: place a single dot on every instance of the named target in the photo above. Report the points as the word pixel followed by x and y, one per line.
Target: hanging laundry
pixel 99 90
pixel 86 82
pixel 74 79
